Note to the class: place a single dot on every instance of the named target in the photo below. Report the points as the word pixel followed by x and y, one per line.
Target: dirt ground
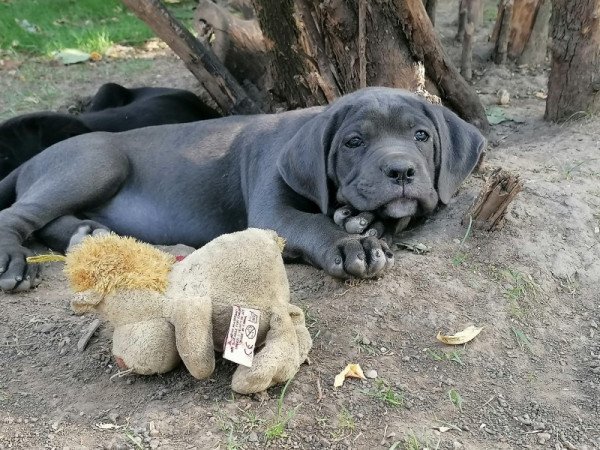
pixel 531 379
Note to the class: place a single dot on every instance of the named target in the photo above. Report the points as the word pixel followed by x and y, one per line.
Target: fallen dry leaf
pixel 350 371
pixel 461 337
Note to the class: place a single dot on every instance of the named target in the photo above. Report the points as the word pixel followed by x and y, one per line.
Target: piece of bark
pixel 489 209
pixel 199 59
pixel 362 43
pixel 89 332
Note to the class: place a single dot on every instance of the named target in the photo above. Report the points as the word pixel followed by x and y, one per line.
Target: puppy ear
pixel 460 147
pixel 302 162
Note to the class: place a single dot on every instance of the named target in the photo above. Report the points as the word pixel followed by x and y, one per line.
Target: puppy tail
pixel 8 191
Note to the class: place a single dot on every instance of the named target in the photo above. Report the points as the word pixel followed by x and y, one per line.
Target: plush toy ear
pixel 460 145
pixel 302 162
pixel 192 318
pixel 281 356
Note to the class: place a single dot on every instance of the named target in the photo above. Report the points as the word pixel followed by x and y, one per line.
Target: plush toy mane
pixel 108 262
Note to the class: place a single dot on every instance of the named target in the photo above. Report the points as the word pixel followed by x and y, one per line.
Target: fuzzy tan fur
pixel 189 319
pixel 108 262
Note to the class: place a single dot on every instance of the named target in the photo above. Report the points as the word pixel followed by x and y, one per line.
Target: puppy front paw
pixel 364 257
pixel 357 222
pixel 15 274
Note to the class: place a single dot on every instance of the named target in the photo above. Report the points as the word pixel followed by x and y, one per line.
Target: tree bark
pixel 504 23
pixel 536 48
pixel 521 31
pixel 295 79
pixel 430 7
pixel 489 209
pixel 466 62
pixel 200 60
pixel 574 83
pixel 426 46
pixel 238 43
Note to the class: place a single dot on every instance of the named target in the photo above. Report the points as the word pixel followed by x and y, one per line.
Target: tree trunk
pixel 574 83
pixel 320 50
pixel 426 46
pixel 200 60
pixel 466 61
pixel 430 7
pixel 521 31
pixel 238 43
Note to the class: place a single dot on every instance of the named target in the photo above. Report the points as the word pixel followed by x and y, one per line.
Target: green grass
pixel 455 398
pixel 277 429
pixel 454 356
pixel 39 27
pixel 385 393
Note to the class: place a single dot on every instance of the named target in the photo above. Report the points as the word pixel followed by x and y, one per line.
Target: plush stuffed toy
pixel 165 311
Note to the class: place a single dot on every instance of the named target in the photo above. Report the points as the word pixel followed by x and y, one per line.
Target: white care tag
pixel 242 334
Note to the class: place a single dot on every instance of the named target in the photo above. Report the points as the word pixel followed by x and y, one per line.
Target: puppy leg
pixel 55 184
pixel 319 241
pixel 66 231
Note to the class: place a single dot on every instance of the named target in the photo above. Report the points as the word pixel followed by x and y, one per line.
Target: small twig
pixel 448 424
pixel 319 390
pixel 489 401
pixel 121 374
pixel 83 341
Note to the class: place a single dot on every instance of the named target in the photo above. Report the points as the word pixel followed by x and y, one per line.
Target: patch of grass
pixel 39 27
pixel 277 429
pixel 573 168
pixel 522 287
pixel 522 339
pixel 345 425
pixel 460 257
pixel 455 398
pixel 252 420
pixel 385 393
pixel 136 442
pixel 345 420
pixel 454 356
pixel 412 442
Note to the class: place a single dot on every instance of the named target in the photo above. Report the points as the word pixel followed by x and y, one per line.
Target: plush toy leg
pixel 193 329
pixel 146 347
pixel 279 359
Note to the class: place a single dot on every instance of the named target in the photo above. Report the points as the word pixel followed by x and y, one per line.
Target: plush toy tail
pixel 108 262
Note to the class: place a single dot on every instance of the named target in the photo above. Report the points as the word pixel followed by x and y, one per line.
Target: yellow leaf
pixel 460 338
pixel 350 371
pixel 95 56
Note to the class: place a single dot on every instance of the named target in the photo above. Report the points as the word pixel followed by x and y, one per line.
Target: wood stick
pixel 489 209
pixel 200 60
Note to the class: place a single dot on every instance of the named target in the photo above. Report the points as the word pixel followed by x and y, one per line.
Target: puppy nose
pixel 399 171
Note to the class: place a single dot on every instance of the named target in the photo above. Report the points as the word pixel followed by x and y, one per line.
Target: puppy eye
pixel 421 136
pixel 354 142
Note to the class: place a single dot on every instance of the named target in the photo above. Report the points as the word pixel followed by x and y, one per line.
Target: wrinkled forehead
pixel 375 114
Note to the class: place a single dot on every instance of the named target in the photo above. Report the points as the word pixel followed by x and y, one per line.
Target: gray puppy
pixel 380 150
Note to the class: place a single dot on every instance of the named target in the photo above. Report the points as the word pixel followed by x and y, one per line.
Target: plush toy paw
pixel 285 349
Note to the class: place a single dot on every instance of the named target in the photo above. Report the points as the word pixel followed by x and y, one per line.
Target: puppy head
pixel 382 150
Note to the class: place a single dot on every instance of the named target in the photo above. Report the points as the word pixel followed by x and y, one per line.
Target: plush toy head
pixel 164 312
